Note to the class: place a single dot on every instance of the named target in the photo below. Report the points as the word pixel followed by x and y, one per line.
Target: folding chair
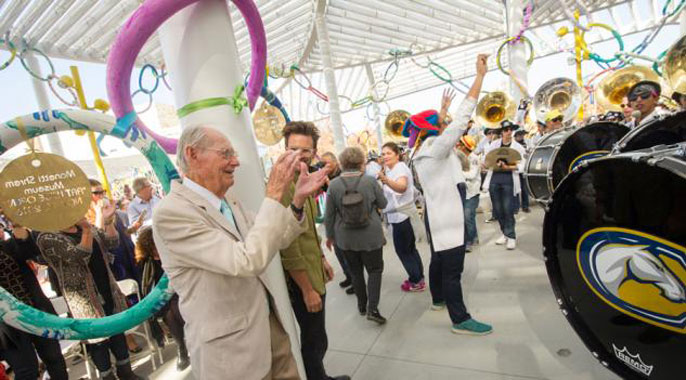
pixel 130 287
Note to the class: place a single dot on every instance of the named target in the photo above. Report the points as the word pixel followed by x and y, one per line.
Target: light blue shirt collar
pixel 203 192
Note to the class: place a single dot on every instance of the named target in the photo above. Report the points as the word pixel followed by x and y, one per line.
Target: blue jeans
pixel 524 194
pixel 445 274
pixel 405 248
pixel 343 262
pixel 503 207
pixel 470 206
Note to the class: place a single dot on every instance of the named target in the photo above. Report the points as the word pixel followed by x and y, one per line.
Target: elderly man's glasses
pixel 226 154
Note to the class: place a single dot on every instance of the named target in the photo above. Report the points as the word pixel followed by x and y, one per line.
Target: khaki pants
pixel 283 362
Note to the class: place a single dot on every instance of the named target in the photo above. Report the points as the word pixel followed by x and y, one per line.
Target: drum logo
pixel 636 273
pixel 587 156
pixel 633 361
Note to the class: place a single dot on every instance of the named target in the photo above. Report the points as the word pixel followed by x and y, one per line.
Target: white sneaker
pixel 501 240
pixel 511 244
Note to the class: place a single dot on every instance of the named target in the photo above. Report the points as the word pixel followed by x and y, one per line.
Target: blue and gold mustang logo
pixel 636 273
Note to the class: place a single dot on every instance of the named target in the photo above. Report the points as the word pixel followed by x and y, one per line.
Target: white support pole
pixel 40 89
pixel 330 83
pixel 199 48
pixel 517 52
pixel 682 22
pixel 375 105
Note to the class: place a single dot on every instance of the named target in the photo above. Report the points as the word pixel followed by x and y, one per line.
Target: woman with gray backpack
pixel 353 223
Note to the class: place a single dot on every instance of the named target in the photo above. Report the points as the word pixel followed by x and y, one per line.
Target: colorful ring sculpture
pixel 507 41
pixel 138 29
pixel 26 318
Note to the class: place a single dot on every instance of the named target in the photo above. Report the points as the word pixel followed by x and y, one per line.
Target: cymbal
pixel 509 155
pixel 268 122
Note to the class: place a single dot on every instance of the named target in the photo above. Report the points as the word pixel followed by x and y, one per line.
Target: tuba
pixel 612 90
pixel 674 66
pixel 394 123
pixel 493 108
pixel 558 93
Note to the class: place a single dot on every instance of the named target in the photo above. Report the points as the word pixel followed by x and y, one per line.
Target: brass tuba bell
pixel 674 66
pixel 612 90
pixel 394 123
pixel 561 94
pixel 493 108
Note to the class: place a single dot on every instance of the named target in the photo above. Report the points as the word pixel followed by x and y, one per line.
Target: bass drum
pixel 614 240
pixel 667 130
pixel 561 151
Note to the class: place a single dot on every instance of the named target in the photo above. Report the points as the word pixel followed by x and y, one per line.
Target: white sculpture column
pixel 375 105
pixel 330 82
pixel 682 22
pixel 517 52
pixel 199 48
pixel 40 89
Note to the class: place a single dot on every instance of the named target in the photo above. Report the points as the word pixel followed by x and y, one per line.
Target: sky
pixel 19 99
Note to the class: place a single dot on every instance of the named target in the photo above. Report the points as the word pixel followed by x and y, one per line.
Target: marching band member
pixel 553 120
pixel 643 97
pixel 504 185
pixel 439 170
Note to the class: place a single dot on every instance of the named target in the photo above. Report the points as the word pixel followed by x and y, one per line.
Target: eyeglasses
pixel 644 96
pixel 100 192
pixel 226 154
pixel 557 119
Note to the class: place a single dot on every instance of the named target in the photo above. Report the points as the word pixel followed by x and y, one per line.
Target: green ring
pixel 23 63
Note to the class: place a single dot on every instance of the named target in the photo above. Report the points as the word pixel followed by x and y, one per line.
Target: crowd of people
pixel 223 316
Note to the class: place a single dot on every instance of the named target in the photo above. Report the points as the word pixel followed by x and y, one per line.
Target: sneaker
pixel 376 317
pixel 350 290
pixel 418 287
pixel 511 244
pixel 472 327
pixel 345 283
pixel 501 240
pixel 489 220
pixel 526 210
pixel 438 306
pixel 405 286
pixel 362 310
pixel 468 248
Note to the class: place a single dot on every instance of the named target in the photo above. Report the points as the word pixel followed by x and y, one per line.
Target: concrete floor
pixel 508 289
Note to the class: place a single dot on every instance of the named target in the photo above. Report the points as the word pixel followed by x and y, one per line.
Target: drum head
pixel 615 247
pixel 591 141
pixel 667 131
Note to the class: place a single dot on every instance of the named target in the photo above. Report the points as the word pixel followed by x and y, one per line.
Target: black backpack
pixel 354 213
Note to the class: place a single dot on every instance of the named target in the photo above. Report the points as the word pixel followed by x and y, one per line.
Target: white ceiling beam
pixel 54 13
pixel 12 12
pixel 37 10
pixel 66 23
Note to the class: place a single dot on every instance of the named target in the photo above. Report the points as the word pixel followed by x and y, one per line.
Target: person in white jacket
pixel 439 172
pixel 504 185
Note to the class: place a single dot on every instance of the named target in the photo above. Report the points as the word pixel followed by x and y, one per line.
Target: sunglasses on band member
pixel 557 119
pixel 644 96
pixel 101 192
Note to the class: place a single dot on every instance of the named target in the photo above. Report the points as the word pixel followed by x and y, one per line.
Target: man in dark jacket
pixel 19 348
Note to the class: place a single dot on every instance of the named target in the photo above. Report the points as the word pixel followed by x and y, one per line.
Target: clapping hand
pixel 447 98
pixel 308 183
pixel 282 175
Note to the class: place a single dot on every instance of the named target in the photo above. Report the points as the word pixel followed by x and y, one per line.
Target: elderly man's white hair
pixel 194 136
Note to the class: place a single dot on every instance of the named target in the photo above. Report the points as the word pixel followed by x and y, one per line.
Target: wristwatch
pixel 296 210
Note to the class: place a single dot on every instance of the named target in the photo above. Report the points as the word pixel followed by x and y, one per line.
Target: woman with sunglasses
pixel 504 185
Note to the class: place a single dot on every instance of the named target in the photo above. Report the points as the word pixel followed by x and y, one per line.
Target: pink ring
pixel 138 29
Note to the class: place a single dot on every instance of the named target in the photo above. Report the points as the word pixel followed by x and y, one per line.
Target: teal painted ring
pixel 620 41
pixel 34 321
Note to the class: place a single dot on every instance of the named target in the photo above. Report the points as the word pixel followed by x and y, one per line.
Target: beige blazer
pixel 216 271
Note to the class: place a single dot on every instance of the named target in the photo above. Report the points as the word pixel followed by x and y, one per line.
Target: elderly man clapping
pixel 215 253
